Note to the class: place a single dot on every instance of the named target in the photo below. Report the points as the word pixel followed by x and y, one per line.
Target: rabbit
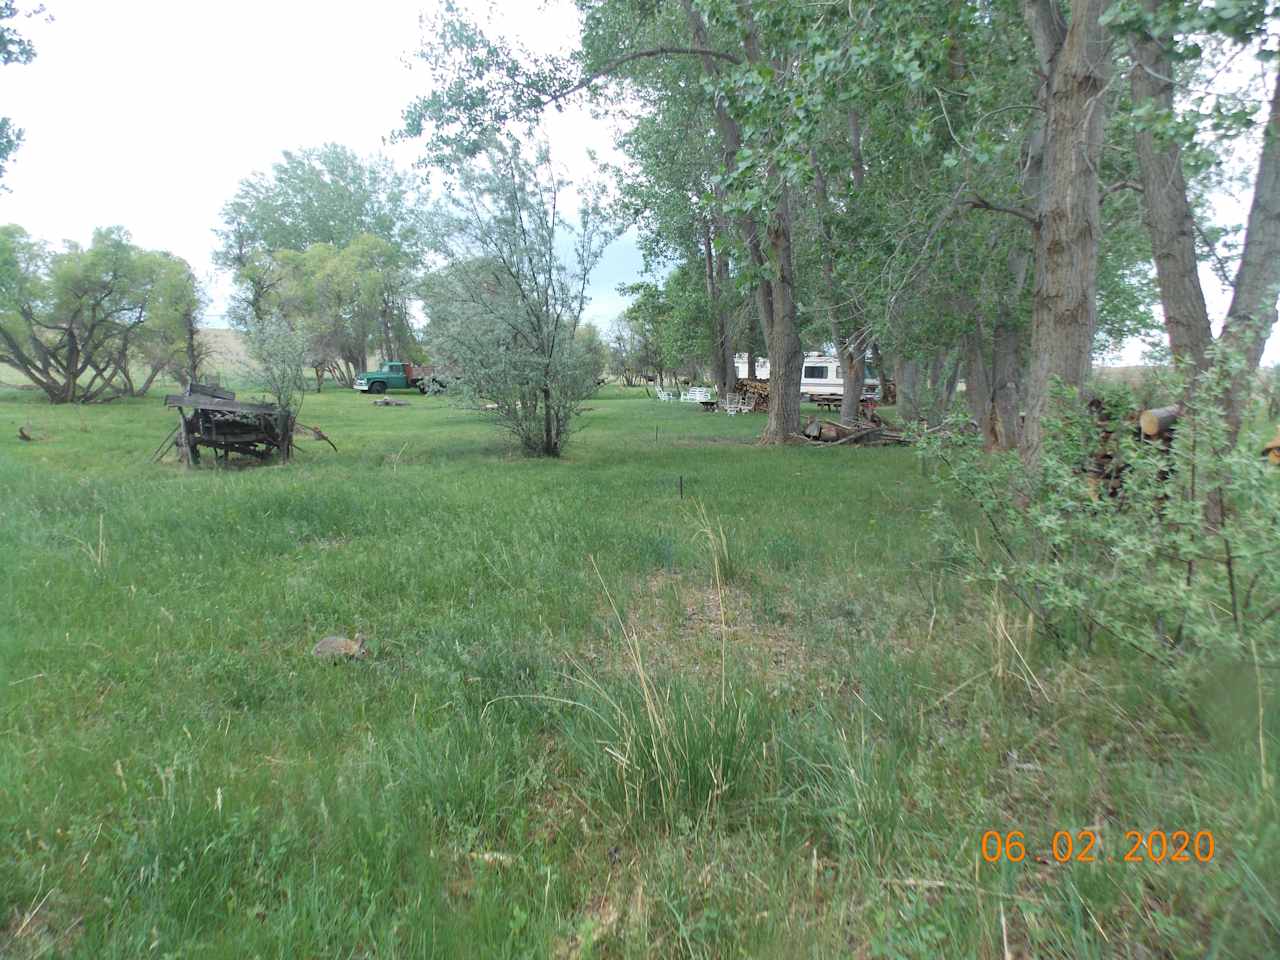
pixel 335 648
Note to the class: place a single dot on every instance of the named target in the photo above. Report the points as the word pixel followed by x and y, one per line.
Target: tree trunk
pixel 908 378
pixel 1076 63
pixel 1170 223
pixel 193 355
pixel 1168 215
pixel 786 356
pixel 977 377
pixel 548 434
pixel 1004 424
pixel 716 265
pixel 1252 314
pixel 854 361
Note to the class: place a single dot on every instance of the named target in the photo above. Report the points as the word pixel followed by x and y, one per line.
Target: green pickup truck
pixel 395 375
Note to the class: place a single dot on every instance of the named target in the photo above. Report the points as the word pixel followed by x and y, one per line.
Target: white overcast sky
pixel 147 113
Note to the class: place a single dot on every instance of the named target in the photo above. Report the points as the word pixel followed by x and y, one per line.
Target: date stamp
pixel 1085 846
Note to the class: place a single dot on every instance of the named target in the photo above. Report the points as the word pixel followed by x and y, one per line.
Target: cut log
pixel 1157 422
pixel 1272 450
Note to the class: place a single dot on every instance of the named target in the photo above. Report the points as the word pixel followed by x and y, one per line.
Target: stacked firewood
pixel 756 391
pixel 1104 468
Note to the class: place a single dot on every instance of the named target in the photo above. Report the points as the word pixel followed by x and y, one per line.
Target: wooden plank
pixel 214 403
pixel 208 390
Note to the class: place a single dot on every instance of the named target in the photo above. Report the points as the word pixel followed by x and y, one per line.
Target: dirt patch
pixel 45 928
pixel 682 627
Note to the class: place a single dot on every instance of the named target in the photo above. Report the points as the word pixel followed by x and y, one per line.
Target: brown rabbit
pixel 335 648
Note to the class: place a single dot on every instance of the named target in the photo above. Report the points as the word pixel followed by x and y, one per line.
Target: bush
pixel 1179 563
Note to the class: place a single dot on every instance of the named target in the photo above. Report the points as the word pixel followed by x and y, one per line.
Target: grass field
pixel 599 719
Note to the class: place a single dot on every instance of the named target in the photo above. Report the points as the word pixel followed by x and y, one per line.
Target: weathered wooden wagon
pixel 217 421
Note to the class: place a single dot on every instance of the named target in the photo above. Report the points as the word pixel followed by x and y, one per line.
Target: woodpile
pixel 1272 450
pixel 755 391
pixel 865 433
pixel 1104 469
pixel 1158 423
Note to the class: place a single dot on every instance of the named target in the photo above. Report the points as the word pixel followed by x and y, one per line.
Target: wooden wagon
pixel 218 422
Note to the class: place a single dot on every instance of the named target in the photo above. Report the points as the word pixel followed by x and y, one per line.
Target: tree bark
pixel 1170 223
pixel 1005 422
pixel 1252 314
pixel 716 266
pixel 1168 215
pixel 786 356
pixel 1076 62
pixel 977 376
pixel 775 295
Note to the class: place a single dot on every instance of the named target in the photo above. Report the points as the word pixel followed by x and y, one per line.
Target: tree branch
pixel 978 203
pixel 613 66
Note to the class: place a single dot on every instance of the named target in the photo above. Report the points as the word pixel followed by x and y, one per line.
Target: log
pixel 1157 422
pixel 1272 450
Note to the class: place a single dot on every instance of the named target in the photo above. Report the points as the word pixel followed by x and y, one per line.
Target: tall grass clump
pixel 667 750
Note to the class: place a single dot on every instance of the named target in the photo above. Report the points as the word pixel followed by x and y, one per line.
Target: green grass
pixel 539 759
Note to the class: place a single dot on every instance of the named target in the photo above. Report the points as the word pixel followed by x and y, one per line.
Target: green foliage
pixel 327 195
pixel 505 306
pixel 1178 562
pixel 76 322
pixel 14 48
pixel 279 351
pixel 668 321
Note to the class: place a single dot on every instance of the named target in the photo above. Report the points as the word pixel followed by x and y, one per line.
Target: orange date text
pixel 1085 846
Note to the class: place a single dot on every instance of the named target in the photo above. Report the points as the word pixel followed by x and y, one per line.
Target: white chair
pixel 665 395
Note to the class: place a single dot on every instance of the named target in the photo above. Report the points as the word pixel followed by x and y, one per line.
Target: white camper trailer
pixel 821 375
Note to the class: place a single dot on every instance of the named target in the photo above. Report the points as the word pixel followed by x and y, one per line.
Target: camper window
pixel 815 373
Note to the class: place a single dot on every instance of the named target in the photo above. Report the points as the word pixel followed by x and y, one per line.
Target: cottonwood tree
pixel 1169 41
pixel 504 305
pixel 364 214
pixel 347 300
pixel 73 321
pixel 484 84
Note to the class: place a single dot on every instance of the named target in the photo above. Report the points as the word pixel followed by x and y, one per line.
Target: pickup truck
pixel 395 375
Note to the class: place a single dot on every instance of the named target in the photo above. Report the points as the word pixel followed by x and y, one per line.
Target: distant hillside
pixel 229 355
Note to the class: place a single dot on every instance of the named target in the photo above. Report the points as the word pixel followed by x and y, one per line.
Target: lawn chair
pixel 665 395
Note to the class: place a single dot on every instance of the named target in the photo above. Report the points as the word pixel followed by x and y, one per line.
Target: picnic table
pixel 828 401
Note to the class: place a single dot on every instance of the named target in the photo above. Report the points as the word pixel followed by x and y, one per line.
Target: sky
pixel 148 113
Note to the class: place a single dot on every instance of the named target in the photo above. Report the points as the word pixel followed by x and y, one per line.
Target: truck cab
pixel 392 375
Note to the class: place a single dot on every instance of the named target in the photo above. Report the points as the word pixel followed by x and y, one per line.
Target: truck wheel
pixel 377 387
pixel 422 387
